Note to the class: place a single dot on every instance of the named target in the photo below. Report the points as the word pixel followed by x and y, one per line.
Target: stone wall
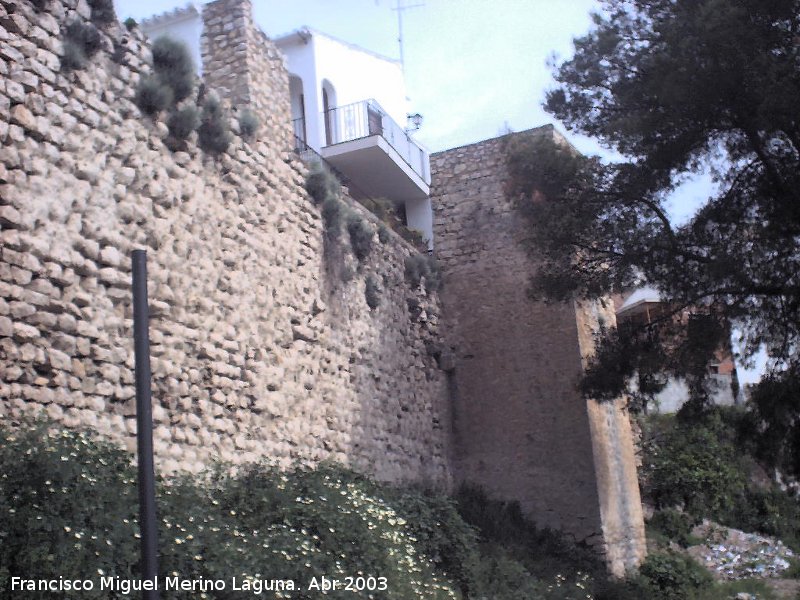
pixel 521 428
pixel 260 348
pixel 243 65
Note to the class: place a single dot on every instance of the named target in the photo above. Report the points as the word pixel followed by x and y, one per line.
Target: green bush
pixel 770 511
pixel 68 507
pixel 248 124
pixel 673 576
pixel 214 134
pixel 696 466
pixel 332 214
pixel 321 184
pixel 153 96
pixel 361 235
pixel 703 466
pixel 422 266
pixel 130 23
pixel 183 122
pixel 174 66
pixel 676 526
pixel 372 292
pixel 103 11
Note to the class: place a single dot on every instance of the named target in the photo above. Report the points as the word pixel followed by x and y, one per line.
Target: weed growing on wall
pixel 171 82
pixel 81 42
pixel 103 11
pixel 183 121
pixel 248 124
pixel 422 267
pixel 73 58
pixel 321 184
pixel 153 96
pixel 361 235
pixel 214 134
pixel 372 291
pixel 332 216
pixel 173 64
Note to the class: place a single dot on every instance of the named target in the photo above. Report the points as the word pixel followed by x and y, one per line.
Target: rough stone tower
pixel 521 428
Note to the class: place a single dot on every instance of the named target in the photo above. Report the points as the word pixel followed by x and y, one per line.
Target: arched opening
pixel 298 107
pixel 329 112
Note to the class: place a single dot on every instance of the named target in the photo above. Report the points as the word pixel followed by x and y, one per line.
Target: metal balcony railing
pixel 366 118
pixel 299 128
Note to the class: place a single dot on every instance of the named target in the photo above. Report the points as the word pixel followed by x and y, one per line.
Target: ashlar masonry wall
pixel 260 348
pixel 521 428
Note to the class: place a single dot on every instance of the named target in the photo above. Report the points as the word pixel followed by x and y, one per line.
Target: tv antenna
pixel 400 7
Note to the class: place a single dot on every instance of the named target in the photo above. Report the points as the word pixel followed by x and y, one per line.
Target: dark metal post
pixel 144 425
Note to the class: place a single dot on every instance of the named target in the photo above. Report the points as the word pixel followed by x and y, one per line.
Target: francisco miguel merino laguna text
pixel 126 586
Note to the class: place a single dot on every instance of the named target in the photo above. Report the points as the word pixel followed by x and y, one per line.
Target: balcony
pixel 374 153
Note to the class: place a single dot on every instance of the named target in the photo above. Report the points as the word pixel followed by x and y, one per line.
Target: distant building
pixel 349 105
pixel 644 306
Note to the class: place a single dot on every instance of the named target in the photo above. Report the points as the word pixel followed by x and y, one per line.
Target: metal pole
pixel 144 426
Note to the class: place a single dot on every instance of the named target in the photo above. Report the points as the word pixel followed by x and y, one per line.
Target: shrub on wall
pixel 360 236
pixel 419 267
pixel 81 41
pixel 321 184
pixel 173 64
pixel 332 212
pixel 172 80
pixel 372 292
pixel 73 58
pixel 183 122
pixel 248 124
pixel 153 96
pixel 214 133
pixel 383 234
pixel 103 11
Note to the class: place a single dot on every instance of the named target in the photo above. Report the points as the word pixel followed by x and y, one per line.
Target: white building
pixel 349 105
pixel 644 306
